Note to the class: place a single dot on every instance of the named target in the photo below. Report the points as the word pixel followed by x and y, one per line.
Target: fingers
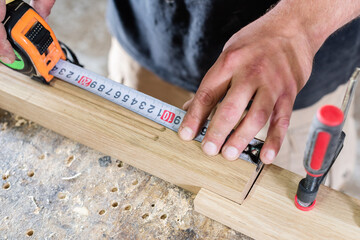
pixel 2 9
pixel 187 103
pixel 279 124
pixel 255 119
pixel 43 7
pixel 226 117
pixel 273 96
pixel 210 91
pixel 6 52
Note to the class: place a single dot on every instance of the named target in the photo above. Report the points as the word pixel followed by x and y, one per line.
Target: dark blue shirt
pixel 179 40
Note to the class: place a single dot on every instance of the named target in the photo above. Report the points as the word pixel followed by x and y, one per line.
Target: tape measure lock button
pixel 40 37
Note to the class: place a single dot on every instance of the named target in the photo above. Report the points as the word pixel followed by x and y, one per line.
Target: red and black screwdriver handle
pixel 324 143
pixel 323 140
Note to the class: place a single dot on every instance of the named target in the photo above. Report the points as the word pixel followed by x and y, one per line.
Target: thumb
pixel 6 52
pixel 43 7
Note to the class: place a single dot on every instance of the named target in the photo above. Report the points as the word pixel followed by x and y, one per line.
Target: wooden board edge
pixel 16 103
pixel 264 217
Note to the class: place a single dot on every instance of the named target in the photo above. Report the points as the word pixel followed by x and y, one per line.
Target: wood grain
pixel 115 131
pixel 269 212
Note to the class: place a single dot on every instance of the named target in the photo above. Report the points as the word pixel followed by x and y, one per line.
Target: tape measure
pixel 42 58
pixel 35 45
pixel 158 111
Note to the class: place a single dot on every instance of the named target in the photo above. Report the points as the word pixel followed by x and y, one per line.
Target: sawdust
pixel 71 177
pixel 20 121
pixel 70 160
pixel 61 195
pixel 6 175
pixel 4 126
pixel 3 113
pixel 81 211
pixel 4 118
pixel 37 208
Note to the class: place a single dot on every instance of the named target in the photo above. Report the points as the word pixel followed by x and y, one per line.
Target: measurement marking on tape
pixel 158 111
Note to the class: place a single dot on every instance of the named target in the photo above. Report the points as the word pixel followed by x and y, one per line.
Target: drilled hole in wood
pixel 145 216
pixel 29 233
pixel 61 195
pixel 115 204
pixel 153 205
pixel 127 207
pixel 135 182
pixel 164 216
pixel 6 186
pixel 31 173
pixel 102 212
pixel 114 189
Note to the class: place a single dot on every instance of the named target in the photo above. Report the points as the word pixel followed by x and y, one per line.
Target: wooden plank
pixel 115 131
pixel 269 212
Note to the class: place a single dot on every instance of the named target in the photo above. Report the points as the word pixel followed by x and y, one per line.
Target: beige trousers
pixel 123 68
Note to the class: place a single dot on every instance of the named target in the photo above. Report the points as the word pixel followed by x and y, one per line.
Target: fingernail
pixel 210 148
pixel 269 156
pixel 5 60
pixel 231 153
pixel 186 134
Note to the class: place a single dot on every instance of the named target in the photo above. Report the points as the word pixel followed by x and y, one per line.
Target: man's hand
pixel 259 61
pixel 269 60
pixel 43 7
pixel 6 52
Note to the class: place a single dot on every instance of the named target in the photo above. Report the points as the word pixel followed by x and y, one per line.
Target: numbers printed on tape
pixel 85 81
pixel 138 102
pixel 168 116
pixel 129 98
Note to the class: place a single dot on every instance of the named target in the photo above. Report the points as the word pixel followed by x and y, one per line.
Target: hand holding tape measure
pixel 7 55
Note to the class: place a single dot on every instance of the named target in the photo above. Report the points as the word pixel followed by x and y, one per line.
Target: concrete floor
pixel 81 25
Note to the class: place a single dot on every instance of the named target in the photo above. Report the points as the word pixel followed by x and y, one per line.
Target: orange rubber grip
pixel 45 62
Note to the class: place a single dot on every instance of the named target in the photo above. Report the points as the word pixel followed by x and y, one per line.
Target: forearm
pixel 318 19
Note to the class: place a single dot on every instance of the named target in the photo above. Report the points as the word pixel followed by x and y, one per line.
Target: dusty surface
pixel 54 188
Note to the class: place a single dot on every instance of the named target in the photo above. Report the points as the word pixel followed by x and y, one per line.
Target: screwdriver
pixel 324 144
